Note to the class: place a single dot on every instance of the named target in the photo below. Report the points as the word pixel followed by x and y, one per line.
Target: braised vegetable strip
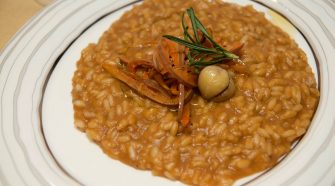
pixel 148 88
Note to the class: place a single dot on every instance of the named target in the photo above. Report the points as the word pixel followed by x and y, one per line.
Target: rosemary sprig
pixel 200 55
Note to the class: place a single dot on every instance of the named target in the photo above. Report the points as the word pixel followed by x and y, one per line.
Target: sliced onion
pixel 162 63
pixel 181 100
pixel 155 86
pixel 155 61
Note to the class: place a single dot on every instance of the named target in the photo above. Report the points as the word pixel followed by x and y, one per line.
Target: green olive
pixel 212 81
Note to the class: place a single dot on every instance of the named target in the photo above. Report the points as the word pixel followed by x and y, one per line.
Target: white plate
pixel 40 146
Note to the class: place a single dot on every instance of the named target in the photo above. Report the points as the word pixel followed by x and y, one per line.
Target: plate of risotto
pixel 170 92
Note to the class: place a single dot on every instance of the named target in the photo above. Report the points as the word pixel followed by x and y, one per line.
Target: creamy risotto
pixel 272 106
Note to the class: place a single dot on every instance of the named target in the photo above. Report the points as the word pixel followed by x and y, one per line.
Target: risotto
pixel 274 101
